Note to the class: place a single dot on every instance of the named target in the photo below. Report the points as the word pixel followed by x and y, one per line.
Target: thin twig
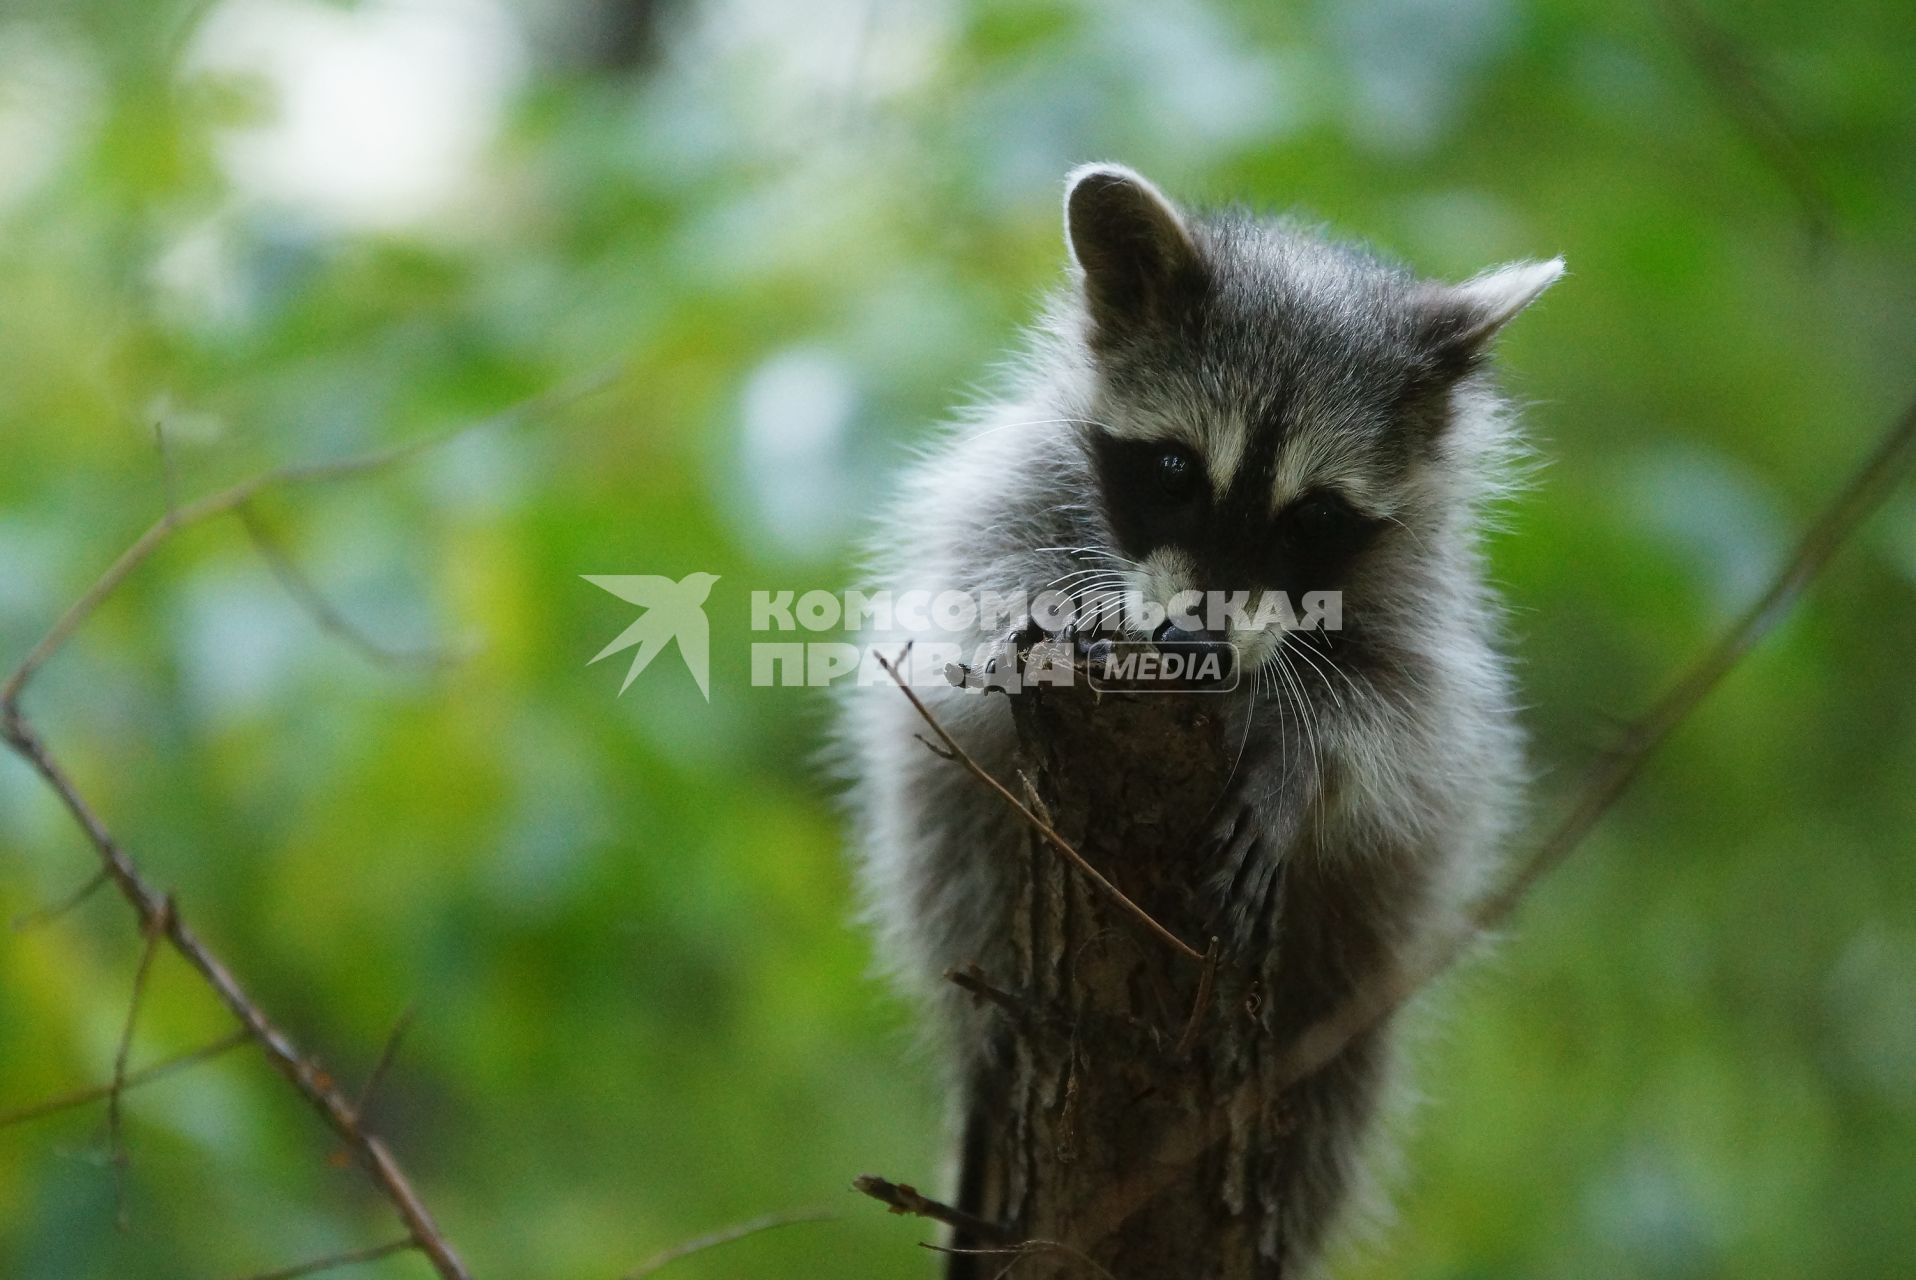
pixel 115 1127
pixel 300 1072
pixel 1043 828
pixel 298 475
pixel 1023 1250
pixel 726 1235
pixel 327 616
pixel 387 1052
pixel 1741 94
pixel 334 1261
pixel 132 1080
pixel 153 909
pixel 53 911
pixel 1201 1004
pixel 903 1198
pixel 972 979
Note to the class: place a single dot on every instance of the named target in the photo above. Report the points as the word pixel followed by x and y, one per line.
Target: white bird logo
pixel 673 611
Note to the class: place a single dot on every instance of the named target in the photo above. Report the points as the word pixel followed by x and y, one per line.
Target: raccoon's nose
pixel 1198 642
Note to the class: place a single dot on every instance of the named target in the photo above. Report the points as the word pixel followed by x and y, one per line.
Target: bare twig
pixel 1043 828
pixel 972 979
pixel 1025 1250
pixel 115 1128
pixel 1744 99
pixel 904 1198
pixel 726 1235
pixel 325 614
pixel 132 1080
pixel 1201 1004
pixel 387 1052
pixel 334 1261
pixel 301 1073
pixel 153 909
pixel 53 911
pixel 227 500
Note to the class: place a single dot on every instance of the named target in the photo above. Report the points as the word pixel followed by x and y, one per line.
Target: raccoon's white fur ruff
pixel 1286 365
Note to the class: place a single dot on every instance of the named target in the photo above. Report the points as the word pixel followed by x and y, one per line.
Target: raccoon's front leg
pixel 1254 831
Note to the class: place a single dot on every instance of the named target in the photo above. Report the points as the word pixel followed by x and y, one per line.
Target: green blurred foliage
pixel 279 230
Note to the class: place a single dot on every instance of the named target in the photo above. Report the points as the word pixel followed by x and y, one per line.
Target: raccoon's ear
pixel 1137 255
pixel 1457 321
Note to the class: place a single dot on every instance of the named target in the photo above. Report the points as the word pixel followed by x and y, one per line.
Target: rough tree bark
pixel 1113 1044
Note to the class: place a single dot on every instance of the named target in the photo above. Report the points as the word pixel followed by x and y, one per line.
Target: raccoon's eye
pixel 1177 471
pixel 1322 520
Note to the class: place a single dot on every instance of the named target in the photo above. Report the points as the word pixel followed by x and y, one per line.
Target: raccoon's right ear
pixel 1137 255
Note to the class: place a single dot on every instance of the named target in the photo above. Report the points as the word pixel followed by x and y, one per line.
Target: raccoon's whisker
pixel 1250 714
pixel 1094 551
pixel 1304 646
pixel 1303 651
pixel 1103 600
pixel 1086 573
pixel 1410 532
pixel 1092 589
pixel 1308 723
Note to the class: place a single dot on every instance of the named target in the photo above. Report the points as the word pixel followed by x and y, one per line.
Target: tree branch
pixel 903 1198
pixel 725 1235
pixel 133 1080
pixel 1741 94
pixel 325 615
pixel 295 476
pixel 155 912
pixel 334 1261
pixel 115 1130
pixel 1043 828
pixel 53 911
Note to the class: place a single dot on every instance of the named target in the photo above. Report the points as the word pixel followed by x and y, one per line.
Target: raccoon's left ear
pixel 1131 243
pixel 1457 321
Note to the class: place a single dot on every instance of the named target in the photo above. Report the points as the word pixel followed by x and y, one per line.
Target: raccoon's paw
pixel 1232 842
pixel 1002 664
pixel 1243 868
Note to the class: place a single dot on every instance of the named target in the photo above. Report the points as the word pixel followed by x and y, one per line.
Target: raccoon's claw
pixel 1230 839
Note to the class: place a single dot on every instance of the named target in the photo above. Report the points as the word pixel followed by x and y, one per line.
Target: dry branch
pixel 725 1235
pixel 54 910
pixel 325 615
pixel 334 1261
pixel 115 1130
pixel 952 751
pixel 132 1080
pixel 154 910
pixel 1741 94
pixel 903 1198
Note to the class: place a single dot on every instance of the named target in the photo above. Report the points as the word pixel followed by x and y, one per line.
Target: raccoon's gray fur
pixel 1344 434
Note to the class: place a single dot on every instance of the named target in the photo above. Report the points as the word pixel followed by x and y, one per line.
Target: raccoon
pixel 1225 402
